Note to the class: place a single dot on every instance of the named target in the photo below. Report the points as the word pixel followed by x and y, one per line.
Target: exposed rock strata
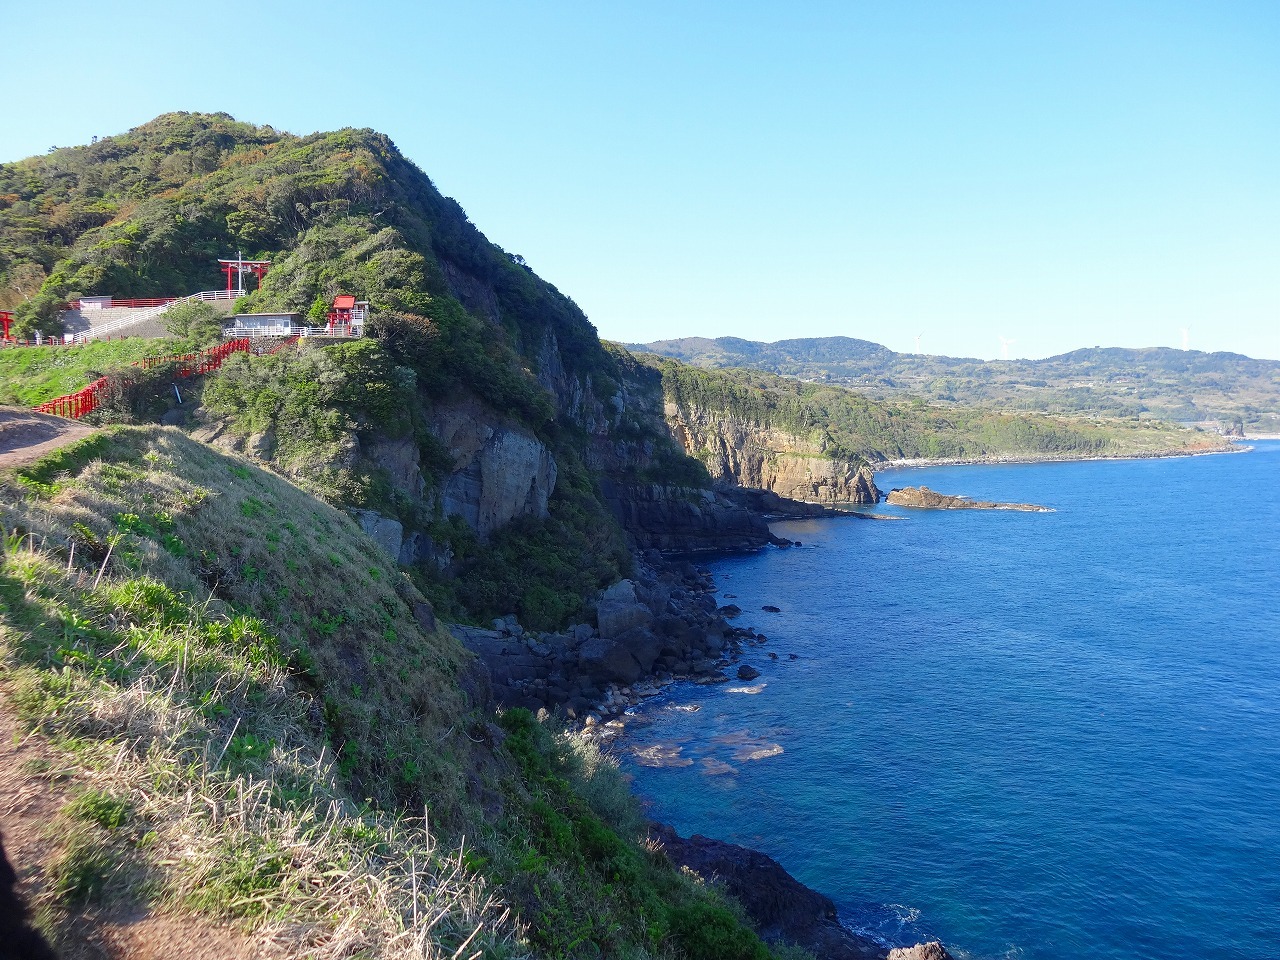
pixel 500 471
pixel 744 454
pixel 924 498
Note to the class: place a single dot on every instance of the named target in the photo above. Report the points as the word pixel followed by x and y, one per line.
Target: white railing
pixel 295 330
pixel 148 313
pixel 274 330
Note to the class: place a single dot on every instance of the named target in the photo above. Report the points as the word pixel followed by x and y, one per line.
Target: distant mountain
pixel 1182 385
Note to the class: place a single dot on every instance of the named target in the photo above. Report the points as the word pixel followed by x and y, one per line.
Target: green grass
pixel 200 781
pixel 256 728
pixel 31 375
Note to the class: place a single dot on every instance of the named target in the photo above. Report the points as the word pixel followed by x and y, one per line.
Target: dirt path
pixel 26 436
pixel 29 802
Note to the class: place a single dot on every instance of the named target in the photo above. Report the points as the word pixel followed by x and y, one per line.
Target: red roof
pixel 344 302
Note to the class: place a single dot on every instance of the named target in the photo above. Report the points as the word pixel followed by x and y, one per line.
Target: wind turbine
pixel 1005 343
pixel 1186 337
pixel 918 336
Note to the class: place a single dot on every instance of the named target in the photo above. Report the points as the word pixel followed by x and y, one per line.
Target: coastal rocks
pixel 661 624
pixel 924 498
pixel 933 950
pixel 772 506
pixel 619 611
pixel 685 519
pixel 781 909
pixel 747 672
pixel 608 660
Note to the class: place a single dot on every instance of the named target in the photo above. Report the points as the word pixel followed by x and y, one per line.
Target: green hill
pixel 1176 385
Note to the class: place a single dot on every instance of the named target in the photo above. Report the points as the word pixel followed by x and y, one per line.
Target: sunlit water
pixel 1037 735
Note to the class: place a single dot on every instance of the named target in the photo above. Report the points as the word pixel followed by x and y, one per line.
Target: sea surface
pixel 1031 735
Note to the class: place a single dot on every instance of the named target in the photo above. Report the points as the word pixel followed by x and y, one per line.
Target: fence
pixel 76 405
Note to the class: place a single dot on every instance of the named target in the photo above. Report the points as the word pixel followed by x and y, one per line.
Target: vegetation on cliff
pixel 149 212
pixel 255 722
pixel 848 426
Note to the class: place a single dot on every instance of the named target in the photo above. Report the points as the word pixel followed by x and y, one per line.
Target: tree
pixel 196 323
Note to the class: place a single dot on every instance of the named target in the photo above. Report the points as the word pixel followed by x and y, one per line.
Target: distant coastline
pixel 909 463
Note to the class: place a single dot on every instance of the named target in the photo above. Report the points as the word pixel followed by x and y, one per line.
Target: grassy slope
pixel 253 723
pixel 32 375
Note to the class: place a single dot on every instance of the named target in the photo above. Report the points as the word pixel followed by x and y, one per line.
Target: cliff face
pixel 500 472
pixel 685 519
pixel 744 454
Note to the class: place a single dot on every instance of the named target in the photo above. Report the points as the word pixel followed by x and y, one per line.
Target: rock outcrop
pixel 782 909
pixel 662 624
pixel 926 499
pixel 744 454
pixel 500 471
pixel 685 519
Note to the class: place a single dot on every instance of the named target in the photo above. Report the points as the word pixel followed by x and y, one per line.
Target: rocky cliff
pixel 744 454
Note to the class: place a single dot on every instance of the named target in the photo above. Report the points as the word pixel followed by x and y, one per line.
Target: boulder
pixel 425 614
pixel 641 643
pixel 607 661
pixel 746 672
pixel 619 611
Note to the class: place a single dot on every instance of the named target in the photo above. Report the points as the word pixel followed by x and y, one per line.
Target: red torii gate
pixel 237 268
pixel 6 320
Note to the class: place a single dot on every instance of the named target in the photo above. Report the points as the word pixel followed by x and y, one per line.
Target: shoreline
pixel 607 724
pixel 918 463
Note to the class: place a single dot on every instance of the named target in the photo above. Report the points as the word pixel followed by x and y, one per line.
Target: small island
pixel 924 498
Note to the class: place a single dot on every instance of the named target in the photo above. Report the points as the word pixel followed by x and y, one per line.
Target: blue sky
pixel 1059 174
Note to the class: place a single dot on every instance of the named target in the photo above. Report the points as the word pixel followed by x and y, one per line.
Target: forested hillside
pixel 456 319
pixel 846 425
pixel 1161 383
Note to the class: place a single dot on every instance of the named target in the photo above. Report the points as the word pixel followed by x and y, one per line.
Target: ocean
pixel 1030 735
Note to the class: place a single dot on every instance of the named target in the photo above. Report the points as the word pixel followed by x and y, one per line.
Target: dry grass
pixel 232 537
pixel 191 728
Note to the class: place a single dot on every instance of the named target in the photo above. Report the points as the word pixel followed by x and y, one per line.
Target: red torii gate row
pixel 76 405
pixel 6 320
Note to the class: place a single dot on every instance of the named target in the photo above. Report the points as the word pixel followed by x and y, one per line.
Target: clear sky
pixel 1060 174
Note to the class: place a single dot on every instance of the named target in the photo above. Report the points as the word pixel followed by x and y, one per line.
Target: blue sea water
pixel 1032 735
